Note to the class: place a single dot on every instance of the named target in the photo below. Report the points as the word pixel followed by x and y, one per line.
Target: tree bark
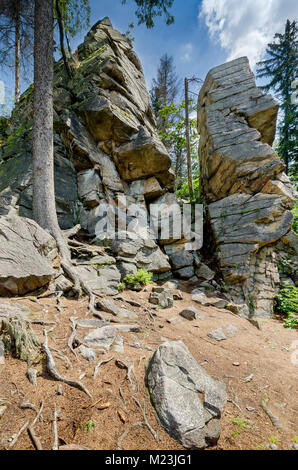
pixel 17 53
pixel 189 166
pixel 44 208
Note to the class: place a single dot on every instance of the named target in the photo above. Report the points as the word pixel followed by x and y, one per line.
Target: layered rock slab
pixel 249 197
pixel 25 254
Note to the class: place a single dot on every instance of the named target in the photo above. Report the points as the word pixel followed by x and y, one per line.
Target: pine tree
pixel 281 68
pixel 16 36
pixel 165 89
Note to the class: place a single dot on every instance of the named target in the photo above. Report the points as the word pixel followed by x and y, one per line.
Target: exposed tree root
pixel 130 369
pixel 31 432
pixel 53 372
pixel 125 434
pixel 16 437
pixel 274 420
pixel 143 409
pixel 100 364
pixel 55 430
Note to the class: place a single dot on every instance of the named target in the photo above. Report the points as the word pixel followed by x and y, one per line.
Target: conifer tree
pixel 281 68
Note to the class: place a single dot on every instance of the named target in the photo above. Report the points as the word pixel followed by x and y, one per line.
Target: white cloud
pixel 245 27
pixel 186 51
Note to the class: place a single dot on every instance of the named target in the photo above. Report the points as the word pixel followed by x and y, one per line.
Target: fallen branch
pixel 53 372
pixel 73 337
pixel 55 430
pixel 143 409
pixel 31 432
pixel 16 437
pixel 100 364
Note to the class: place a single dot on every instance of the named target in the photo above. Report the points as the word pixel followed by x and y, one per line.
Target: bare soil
pixel 266 354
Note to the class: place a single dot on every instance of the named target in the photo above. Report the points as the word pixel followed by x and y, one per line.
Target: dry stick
pixel 62 356
pixel 143 409
pixel 123 436
pixel 34 438
pixel 100 364
pixel 12 443
pixel 129 370
pixel 274 420
pixel 55 431
pixel 72 337
pixel 53 372
pixel 58 300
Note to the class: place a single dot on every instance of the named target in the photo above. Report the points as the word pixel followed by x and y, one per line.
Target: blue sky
pixel 205 33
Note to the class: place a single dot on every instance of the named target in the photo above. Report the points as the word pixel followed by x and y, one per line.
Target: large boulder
pixel 188 401
pixel 25 254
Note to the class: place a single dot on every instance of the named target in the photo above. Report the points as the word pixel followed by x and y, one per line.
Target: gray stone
pixel 110 306
pixel 185 273
pixel 23 250
pixel 162 297
pixel 190 313
pixel 101 337
pixel 183 394
pixel 87 353
pixel 32 375
pixel 218 334
pixel 204 272
pixel 118 345
pixel 101 280
pixel 14 309
pixel 231 330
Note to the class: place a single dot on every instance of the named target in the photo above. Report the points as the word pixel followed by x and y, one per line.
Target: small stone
pixel 236 364
pixel 231 330
pixel 59 389
pixel 32 375
pixel 118 345
pixel 87 353
pixel 249 378
pixel 218 335
pixel 255 322
pixel 175 320
pixel 250 408
pixel 204 272
pixel 272 446
pixel 294 446
pixel 190 313
pixel 3 408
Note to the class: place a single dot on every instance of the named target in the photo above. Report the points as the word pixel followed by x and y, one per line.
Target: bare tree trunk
pixel 17 53
pixel 189 166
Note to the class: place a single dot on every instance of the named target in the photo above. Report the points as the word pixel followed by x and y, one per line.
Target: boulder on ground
pixel 188 401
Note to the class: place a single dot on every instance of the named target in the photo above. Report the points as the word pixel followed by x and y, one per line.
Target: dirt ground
pixel 266 354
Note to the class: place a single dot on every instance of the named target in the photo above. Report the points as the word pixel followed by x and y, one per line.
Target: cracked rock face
pixel 25 254
pixel 249 197
pixel 188 401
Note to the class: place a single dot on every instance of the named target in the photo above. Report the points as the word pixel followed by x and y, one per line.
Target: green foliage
pixel 174 137
pixel 242 423
pixel 287 304
pixel 142 277
pixel 149 9
pixel 121 287
pixel 90 425
pixel 273 439
pixel 281 68
pixel 75 15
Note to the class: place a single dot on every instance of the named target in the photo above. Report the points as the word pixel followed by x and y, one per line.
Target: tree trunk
pixel 17 53
pixel 61 33
pixel 44 208
pixel 189 166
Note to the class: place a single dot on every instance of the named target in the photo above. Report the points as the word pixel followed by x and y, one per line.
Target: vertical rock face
pixel 248 196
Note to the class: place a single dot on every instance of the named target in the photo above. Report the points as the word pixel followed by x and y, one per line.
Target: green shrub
pixel 287 304
pixel 295 223
pixel 142 277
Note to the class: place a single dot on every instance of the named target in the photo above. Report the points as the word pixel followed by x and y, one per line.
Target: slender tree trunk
pixel 61 33
pixel 44 208
pixel 17 53
pixel 68 44
pixel 189 166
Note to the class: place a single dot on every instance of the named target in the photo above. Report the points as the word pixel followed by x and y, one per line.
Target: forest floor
pixel 100 422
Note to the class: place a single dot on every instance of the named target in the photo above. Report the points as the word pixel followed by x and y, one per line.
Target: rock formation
pixel 248 196
pixel 107 151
